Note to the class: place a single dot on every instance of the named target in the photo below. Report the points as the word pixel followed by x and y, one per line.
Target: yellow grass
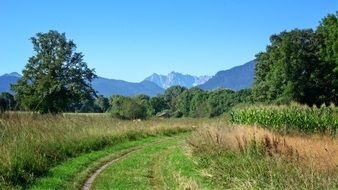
pixel 316 151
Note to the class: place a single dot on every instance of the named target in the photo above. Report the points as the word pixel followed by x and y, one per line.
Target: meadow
pixel 32 143
pixel 249 148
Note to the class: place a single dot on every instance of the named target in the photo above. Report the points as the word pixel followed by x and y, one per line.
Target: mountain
pixel 174 78
pixel 103 86
pixel 6 80
pixel 236 78
pixel 108 87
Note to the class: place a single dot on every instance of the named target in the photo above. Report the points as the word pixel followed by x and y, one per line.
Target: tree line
pixel 178 101
pixel 299 65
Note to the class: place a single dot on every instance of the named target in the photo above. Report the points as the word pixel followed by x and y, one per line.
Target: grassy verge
pixel 254 158
pixel 32 144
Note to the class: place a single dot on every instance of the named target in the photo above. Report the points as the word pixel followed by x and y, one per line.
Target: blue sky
pixel 131 39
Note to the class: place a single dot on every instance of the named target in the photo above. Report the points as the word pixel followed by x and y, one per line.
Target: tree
pixel 220 101
pixel 171 93
pixel 126 108
pixel 144 101
pixel 56 77
pixel 9 101
pixel 3 105
pixel 285 71
pixel 102 103
pixel 244 96
pixel 182 103
pixel 300 65
pixel 158 104
pixel 199 105
pixel 327 34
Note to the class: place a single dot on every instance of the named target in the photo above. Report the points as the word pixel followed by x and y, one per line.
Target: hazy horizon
pixel 130 40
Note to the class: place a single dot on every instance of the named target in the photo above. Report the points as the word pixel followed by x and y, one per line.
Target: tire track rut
pixel 90 180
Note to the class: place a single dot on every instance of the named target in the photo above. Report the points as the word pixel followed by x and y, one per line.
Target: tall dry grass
pixel 302 161
pixel 32 143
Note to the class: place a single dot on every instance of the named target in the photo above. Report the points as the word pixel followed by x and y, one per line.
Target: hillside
pixel 108 87
pixel 6 80
pixel 236 78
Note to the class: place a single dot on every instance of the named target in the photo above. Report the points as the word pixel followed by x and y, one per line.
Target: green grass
pixel 72 173
pixel 31 144
pixel 134 171
pixel 181 171
pixel 289 118
pixel 163 165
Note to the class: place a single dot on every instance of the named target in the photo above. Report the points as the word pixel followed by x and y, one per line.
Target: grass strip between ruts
pixel 73 172
pixel 164 165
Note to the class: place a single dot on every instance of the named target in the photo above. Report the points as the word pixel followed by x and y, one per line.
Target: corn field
pixel 289 118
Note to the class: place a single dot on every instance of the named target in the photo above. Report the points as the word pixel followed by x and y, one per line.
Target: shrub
pixel 127 108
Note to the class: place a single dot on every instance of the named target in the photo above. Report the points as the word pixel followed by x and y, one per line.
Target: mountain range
pixel 235 78
pixel 108 87
pixel 174 78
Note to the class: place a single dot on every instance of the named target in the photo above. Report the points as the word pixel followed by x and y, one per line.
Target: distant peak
pixel 13 74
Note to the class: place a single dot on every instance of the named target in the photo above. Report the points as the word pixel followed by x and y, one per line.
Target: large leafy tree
pixel 285 71
pixel 300 65
pixel 56 77
pixel 327 34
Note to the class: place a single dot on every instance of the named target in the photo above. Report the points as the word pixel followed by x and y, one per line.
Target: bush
pixel 127 108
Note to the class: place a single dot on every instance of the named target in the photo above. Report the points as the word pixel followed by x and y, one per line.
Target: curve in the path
pixel 87 185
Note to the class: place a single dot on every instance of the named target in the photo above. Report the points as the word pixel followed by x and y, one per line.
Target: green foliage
pixel 171 94
pixel 127 108
pixel 55 77
pixel 289 118
pixel 3 105
pixel 199 104
pixel 158 104
pixel 220 101
pixel 300 65
pixel 194 102
pixel 7 102
pixel 327 34
pixel 182 103
pixel 102 103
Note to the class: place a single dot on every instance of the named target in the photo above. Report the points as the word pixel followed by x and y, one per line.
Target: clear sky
pixel 131 39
